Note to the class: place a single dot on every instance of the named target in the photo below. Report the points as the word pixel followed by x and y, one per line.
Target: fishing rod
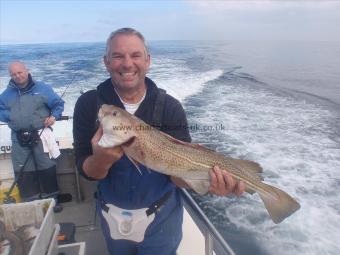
pixel 60 98
pixel 62 95
pixel 9 199
pixel 63 117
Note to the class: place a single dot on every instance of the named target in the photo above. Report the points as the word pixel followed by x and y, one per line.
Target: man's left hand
pixel 49 121
pixel 223 184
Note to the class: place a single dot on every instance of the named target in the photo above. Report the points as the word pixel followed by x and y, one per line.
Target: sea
pixel 273 102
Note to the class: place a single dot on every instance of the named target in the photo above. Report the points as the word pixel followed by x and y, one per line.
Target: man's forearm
pixel 99 163
pixel 96 168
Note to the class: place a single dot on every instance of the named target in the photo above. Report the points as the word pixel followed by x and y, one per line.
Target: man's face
pixel 19 74
pixel 127 61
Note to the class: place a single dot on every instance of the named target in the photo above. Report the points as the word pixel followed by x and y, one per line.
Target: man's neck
pixel 22 86
pixel 131 96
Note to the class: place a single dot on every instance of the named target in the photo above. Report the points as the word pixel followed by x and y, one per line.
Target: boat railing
pixel 214 242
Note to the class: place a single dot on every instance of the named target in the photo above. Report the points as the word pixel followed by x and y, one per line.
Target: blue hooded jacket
pixel 27 108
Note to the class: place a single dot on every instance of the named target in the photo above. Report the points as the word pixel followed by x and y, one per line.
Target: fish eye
pixel 114 114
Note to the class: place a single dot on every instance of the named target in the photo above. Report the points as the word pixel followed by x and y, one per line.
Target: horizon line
pixel 184 40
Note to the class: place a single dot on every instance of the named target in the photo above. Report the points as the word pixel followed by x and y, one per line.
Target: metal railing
pixel 214 242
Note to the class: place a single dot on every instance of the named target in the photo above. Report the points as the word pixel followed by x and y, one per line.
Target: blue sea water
pixel 278 104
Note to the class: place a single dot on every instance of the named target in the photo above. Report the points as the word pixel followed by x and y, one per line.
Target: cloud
pixel 172 20
pixel 213 6
pixel 268 20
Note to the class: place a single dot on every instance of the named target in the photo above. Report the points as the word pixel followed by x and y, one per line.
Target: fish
pixel 146 145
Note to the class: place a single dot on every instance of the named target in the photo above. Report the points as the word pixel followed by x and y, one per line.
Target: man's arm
pixel 93 161
pixel 99 163
pixel 49 121
pixel 4 112
pixel 54 102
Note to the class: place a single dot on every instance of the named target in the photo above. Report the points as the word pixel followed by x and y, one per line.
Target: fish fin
pixel 249 190
pixel 200 186
pixel 278 203
pixel 250 166
pixel 200 147
pixel 135 163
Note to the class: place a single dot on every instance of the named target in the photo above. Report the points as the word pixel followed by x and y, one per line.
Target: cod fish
pixel 160 152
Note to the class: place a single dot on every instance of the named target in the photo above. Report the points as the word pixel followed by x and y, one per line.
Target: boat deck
pixel 81 212
pixel 87 229
pixel 199 236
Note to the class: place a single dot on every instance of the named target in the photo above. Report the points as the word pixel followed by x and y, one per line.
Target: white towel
pixel 49 143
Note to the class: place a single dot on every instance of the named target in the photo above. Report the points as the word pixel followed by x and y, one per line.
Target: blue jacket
pixel 27 108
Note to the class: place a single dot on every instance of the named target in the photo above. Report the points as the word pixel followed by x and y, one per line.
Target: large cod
pixel 160 152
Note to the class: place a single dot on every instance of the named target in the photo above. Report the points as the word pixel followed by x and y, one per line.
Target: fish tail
pixel 278 203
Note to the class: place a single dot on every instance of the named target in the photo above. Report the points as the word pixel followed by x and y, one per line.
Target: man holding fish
pixel 140 209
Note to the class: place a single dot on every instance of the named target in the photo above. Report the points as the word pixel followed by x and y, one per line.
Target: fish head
pixel 117 124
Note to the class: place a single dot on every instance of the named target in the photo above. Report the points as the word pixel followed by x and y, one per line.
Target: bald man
pixel 28 106
pixel 19 74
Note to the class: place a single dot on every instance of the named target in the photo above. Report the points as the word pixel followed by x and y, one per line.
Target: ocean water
pixel 277 103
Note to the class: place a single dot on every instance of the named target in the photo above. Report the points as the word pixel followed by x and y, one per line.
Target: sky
pixel 92 21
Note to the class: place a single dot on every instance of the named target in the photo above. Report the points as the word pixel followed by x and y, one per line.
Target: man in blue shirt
pixel 122 190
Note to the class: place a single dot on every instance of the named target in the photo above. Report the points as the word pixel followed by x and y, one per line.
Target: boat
pixel 200 237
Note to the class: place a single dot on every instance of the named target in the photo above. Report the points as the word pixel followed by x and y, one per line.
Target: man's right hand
pixel 98 164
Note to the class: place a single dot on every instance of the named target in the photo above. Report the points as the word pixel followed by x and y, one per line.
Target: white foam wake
pixel 178 79
pixel 293 142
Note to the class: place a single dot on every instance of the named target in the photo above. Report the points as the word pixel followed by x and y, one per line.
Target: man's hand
pixel 98 164
pixel 49 121
pixel 223 184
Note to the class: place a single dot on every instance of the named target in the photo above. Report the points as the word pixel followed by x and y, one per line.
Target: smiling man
pixel 127 61
pixel 128 200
